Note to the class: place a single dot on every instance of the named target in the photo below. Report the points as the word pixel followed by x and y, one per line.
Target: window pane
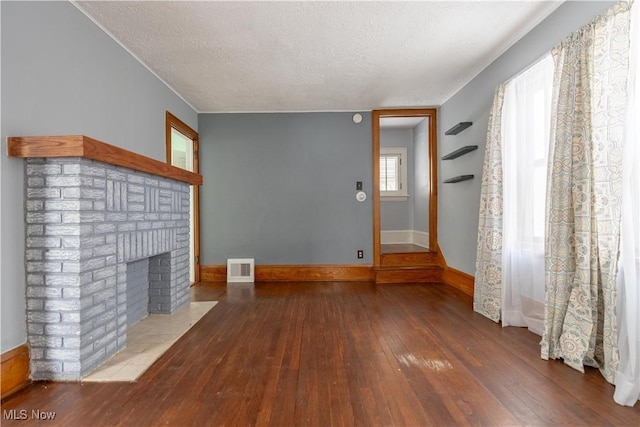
pixel 389 173
pixel 181 151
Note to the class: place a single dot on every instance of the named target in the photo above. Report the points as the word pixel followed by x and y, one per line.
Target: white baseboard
pixel 415 237
pixel 420 238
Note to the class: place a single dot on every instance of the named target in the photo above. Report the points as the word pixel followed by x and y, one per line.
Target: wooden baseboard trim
pixel 293 273
pixel 213 273
pixel 15 370
pixel 459 280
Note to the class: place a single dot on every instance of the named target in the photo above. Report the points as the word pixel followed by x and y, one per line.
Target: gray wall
pixel 281 188
pixel 420 193
pixel 458 203
pixel 398 214
pixel 62 75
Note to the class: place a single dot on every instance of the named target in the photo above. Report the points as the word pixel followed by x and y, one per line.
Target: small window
pixel 393 173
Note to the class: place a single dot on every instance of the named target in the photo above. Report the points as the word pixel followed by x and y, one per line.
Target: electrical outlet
pixel 360 254
pixel 359 185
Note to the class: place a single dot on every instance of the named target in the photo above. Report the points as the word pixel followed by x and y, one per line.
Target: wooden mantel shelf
pixel 89 148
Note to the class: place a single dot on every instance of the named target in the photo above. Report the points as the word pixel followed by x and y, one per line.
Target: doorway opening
pixel 404 186
pixel 182 147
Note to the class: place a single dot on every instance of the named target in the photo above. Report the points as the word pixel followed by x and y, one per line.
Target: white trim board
pixel 414 237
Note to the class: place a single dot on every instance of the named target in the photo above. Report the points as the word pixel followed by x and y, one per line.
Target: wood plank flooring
pixel 331 354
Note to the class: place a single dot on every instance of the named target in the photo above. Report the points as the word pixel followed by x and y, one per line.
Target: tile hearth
pixel 147 341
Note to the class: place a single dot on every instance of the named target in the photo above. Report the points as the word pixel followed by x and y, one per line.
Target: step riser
pixel 414 275
pixel 408 259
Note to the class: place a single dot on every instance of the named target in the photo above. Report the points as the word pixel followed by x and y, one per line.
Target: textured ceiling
pixel 316 56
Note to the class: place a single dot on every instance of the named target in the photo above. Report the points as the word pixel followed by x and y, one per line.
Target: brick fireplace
pixel 107 242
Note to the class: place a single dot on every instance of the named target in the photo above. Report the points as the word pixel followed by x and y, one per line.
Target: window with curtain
pixel 525 146
pixel 590 290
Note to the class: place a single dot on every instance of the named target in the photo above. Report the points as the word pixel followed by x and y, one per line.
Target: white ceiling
pixel 400 122
pixel 262 56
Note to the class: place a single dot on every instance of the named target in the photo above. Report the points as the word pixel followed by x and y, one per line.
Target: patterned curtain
pixel 584 193
pixel 487 294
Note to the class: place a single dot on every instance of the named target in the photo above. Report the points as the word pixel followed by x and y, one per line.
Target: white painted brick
pixel 135 189
pixel 35 230
pixel 71 267
pixel 34 254
pixel 135 198
pixel 43 317
pixel 70 317
pixel 126 226
pixel 86 181
pixel 70 242
pixel 43 169
pixel 43 217
pixel 71 192
pixel 45 341
pixel 71 342
pixel 103 250
pixel 62 229
pixel 92 241
pixel 104 228
pixel 62 305
pixel 157 232
pixel 63 181
pixel 71 169
pixel 116 174
pixel 61 354
pixel 61 205
pixel 43 193
pixel 115 217
pixel 63 254
pixel 104 295
pixel 63 329
pixel 71 280
pixel 71 292
pixel 71 366
pixel 45 267
pixel 92 193
pixel 35 181
pixel 91 288
pixel 104 272
pixel 35 329
pixel 34 304
pixel 87 350
pixel 42 367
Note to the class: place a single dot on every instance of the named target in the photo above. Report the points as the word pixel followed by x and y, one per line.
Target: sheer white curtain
pixel 525 131
pixel 628 281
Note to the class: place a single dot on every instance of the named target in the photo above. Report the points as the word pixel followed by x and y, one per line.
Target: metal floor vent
pixel 240 270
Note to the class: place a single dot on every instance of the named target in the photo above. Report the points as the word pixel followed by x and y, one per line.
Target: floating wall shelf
pixel 459 152
pixel 458 128
pixel 458 179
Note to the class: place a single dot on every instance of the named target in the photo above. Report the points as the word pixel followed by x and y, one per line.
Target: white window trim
pixel 401 195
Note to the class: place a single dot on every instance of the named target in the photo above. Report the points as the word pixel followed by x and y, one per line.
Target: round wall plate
pixel 357 118
pixel 361 196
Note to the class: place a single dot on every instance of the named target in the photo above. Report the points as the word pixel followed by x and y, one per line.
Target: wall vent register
pixel 240 270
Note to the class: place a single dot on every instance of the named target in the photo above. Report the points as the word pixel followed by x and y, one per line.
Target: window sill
pixel 394 198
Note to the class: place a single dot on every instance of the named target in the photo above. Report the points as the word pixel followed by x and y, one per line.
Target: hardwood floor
pixel 339 354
